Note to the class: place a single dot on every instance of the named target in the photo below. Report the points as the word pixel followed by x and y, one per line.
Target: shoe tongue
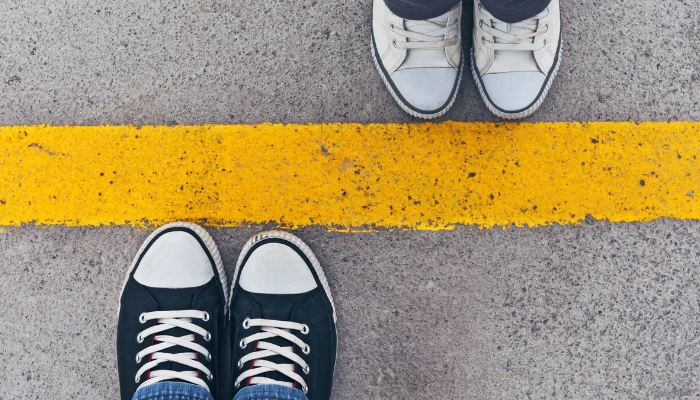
pixel 426 27
pixel 279 307
pixel 510 28
pixel 175 300
pixel 512 61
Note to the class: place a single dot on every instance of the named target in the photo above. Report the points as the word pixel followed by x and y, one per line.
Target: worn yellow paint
pixel 350 176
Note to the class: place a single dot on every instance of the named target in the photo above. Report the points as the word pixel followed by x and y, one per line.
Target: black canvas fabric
pixel 420 9
pixel 510 11
pixel 137 298
pixel 312 308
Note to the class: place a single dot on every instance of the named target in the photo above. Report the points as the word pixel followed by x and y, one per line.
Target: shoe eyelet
pixel 307 369
pixel 305 329
pixel 481 23
pixel 242 344
pixel 480 6
pixel 142 318
pixel 138 359
pixel 139 338
pixel 207 337
pixel 392 26
pixel 393 43
pixel 206 317
pixel 240 364
pixel 237 385
pixel 305 389
pixel 544 42
pixel 138 379
pixel 306 350
pixel 209 357
pixel 210 377
pixel 246 323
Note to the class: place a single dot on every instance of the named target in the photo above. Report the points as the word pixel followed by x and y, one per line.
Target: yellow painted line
pixel 350 176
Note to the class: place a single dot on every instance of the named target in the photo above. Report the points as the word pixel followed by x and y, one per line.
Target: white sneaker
pixel 514 64
pixel 419 61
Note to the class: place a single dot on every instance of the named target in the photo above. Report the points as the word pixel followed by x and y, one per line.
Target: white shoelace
pixel 168 320
pixel 270 329
pixel 429 34
pixel 517 36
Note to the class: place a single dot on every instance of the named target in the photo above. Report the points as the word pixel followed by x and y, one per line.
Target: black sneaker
pixel 282 317
pixel 172 312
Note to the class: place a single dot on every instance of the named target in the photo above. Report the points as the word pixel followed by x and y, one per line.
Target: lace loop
pixel 429 34
pixel 270 329
pixel 168 320
pixel 519 36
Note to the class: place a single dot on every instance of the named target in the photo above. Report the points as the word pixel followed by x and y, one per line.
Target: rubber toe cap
pixel 513 91
pixel 275 268
pixel 425 89
pixel 174 260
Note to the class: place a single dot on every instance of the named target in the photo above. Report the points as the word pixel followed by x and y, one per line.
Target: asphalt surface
pixel 597 311
pixel 243 61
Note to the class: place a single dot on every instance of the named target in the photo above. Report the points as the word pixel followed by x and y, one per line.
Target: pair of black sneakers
pixel 178 322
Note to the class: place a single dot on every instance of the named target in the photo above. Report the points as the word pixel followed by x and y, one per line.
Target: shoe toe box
pixel 276 268
pixel 425 89
pixel 174 260
pixel 513 91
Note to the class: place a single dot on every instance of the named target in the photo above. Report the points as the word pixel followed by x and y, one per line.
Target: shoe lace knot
pixel 157 354
pixel 259 365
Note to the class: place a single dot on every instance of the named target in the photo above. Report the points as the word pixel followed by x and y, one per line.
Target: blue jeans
pixel 187 391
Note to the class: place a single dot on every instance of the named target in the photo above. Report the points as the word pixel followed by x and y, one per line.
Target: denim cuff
pixel 270 392
pixel 172 391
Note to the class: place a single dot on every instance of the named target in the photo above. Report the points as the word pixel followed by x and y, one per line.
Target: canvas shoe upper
pixel 514 64
pixel 282 317
pixel 172 312
pixel 419 61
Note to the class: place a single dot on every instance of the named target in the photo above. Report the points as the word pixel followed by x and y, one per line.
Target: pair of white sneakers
pixel 421 62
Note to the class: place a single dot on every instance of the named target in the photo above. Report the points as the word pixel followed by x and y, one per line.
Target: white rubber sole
pixel 522 114
pixel 406 107
pixel 206 238
pixel 297 242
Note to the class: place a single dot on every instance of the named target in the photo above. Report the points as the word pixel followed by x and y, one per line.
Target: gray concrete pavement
pixel 243 61
pixel 600 311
